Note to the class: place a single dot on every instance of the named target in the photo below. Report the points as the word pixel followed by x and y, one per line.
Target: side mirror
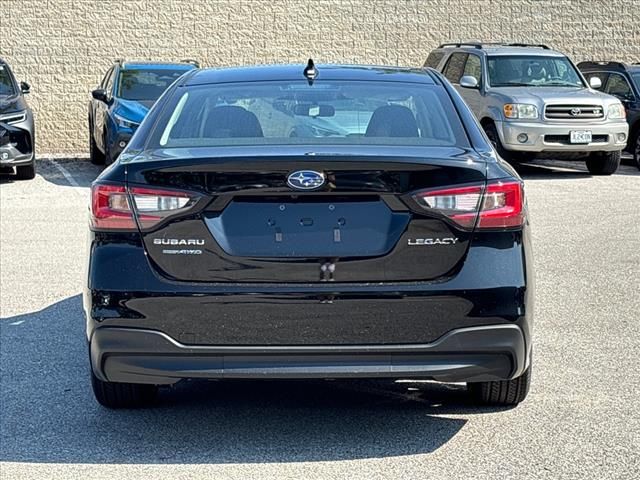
pixel 25 87
pixel 469 81
pixel 100 95
pixel 595 83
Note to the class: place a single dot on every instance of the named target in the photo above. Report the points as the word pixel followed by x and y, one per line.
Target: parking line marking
pixel 68 177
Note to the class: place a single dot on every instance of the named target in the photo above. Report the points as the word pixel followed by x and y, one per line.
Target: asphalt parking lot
pixel 581 419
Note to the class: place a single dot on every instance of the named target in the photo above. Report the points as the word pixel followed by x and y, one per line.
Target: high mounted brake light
pixel 111 206
pixel 500 205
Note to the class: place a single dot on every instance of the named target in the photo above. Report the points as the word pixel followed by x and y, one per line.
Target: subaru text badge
pixel 306 180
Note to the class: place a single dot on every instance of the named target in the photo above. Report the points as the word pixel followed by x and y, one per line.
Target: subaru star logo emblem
pixel 305 180
pixel 575 112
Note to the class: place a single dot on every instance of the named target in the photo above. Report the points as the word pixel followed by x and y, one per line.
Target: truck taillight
pixel 498 205
pixel 111 207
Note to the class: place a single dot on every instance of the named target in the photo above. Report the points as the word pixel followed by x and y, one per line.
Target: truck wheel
pixel 95 155
pixel 26 172
pixel 502 393
pixel 603 163
pixel 492 133
pixel 122 395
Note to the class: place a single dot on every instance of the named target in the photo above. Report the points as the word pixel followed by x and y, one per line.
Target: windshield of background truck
pixel 532 71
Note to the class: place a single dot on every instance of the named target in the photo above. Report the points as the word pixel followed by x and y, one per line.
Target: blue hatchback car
pixel 122 100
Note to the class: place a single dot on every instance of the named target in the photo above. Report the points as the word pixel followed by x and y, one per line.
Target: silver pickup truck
pixel 533 102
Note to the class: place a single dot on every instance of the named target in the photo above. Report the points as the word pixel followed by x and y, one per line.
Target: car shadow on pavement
pixel 63 171
pixel 49 415
pixel 80 171
pixel 564 170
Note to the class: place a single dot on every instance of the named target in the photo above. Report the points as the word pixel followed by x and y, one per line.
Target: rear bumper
pixel 491 352
pixel 550 137
pixel 474 325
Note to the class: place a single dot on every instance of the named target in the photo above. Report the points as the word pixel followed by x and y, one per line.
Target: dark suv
pixel 122 100
pixel 17 133
pixel 623 81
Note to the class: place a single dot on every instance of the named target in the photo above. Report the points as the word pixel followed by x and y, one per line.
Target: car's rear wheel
pixel 492 133
pixel 603 163
pixel 122 395
pixel 26 172
pixel 502 393
pixel 95 155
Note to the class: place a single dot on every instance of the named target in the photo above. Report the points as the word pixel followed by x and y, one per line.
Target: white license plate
pixel 580 136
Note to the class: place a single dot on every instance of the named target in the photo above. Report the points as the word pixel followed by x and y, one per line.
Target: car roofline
pixel 501 49
pixel 124 64
pixel 608 66
pixel 290 72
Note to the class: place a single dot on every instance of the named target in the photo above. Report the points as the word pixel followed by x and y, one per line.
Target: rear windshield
pixel 6 82
pixel 146 84
pixel 532 71
pixel 288 113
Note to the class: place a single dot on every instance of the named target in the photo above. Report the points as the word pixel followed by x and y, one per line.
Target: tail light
pixel 502 205
pixel 499 205
pixel 111 206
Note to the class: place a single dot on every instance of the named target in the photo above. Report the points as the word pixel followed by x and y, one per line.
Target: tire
pixel 603 163
pixel 95 155
pixel 492 133
pixel 502 393
pixel 636 151
pixel 26 172
pixel 122 395
pixel 108 159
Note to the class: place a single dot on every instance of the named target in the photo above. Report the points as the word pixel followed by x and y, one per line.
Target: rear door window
pixel 434 58
pixel 455 67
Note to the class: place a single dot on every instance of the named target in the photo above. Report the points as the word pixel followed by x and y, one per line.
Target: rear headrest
pixel 230 121
pixel 392 121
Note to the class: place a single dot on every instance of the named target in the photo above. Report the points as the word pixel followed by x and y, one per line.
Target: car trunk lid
pixel 249 224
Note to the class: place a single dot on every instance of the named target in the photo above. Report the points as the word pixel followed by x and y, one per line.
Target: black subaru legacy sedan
pixel 320 222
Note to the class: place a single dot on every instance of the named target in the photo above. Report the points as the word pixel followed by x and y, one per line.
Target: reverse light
pixel 458 204
pixel 520 110
pixel 498 206
pixel 616 112
pixel 111 206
